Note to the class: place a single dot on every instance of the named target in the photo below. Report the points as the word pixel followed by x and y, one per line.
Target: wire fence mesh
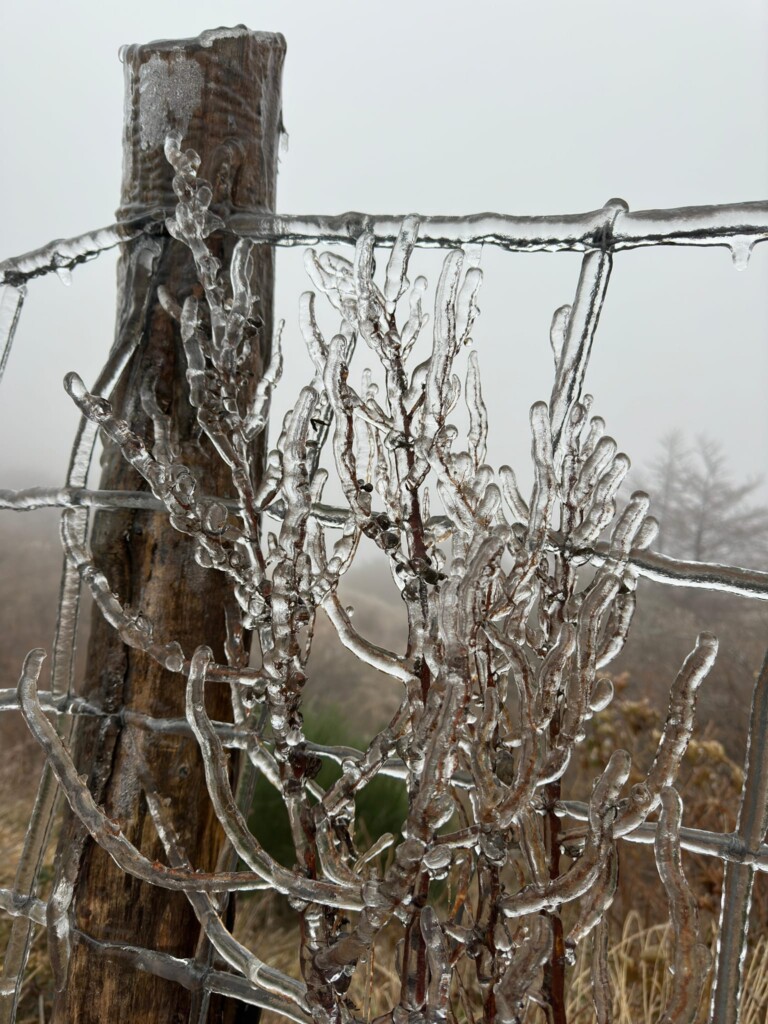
pixel 515 609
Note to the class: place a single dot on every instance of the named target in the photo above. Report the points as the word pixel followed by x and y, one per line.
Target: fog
pixel 435 107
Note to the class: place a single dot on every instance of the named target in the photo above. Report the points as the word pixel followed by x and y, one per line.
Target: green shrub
pixel 381 806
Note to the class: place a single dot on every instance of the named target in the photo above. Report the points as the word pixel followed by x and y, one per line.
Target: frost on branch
pixel 509 631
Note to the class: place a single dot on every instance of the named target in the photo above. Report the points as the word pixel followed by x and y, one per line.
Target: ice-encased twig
pixel 229 814
pixel 579 333
pixel 194 977
pixel 367 652
pixel 527 960
pixel 581 876
pixel 678 728
pixel 18 905
pixel 106 832
pixel 233 952
pixel 25 884
pixel 751 826
pixel 691 957
pixel 602 987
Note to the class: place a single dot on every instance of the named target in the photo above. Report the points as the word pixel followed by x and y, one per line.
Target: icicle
pixel 552 672
pixel 647 534
pixel 580 683
pixel 595 432
pixel 313 339
pixel 369 315
pixel 558 331
pixel 603 502
pixel 629 524
pixel 417 319
pixel 11 302
pixel 164 449
pixel 444 347
pixel 741 250
pixel 342 399
pixel 617 629
pixel 595 465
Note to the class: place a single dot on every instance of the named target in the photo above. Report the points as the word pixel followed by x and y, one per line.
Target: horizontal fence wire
pixel 613 228
pixel 653 565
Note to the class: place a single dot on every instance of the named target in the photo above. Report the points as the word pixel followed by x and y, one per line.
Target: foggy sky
pixel 433 107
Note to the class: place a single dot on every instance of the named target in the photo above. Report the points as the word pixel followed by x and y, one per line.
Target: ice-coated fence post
pixel 221 94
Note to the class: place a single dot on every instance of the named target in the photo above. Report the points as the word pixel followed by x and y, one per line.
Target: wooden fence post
pixel 222 92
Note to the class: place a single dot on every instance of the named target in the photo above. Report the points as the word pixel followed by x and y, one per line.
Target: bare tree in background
pixel 704 515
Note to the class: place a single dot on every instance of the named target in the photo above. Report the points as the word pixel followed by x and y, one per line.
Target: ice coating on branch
pixel 677 732
pixel 577 337
pixel 602 986
pixel 396 282
pixel 691 956
pixel 478 414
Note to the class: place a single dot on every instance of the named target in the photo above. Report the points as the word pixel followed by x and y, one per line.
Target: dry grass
pixel 639 962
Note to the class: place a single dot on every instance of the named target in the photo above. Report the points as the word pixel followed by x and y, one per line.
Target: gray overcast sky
pixel 436 107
